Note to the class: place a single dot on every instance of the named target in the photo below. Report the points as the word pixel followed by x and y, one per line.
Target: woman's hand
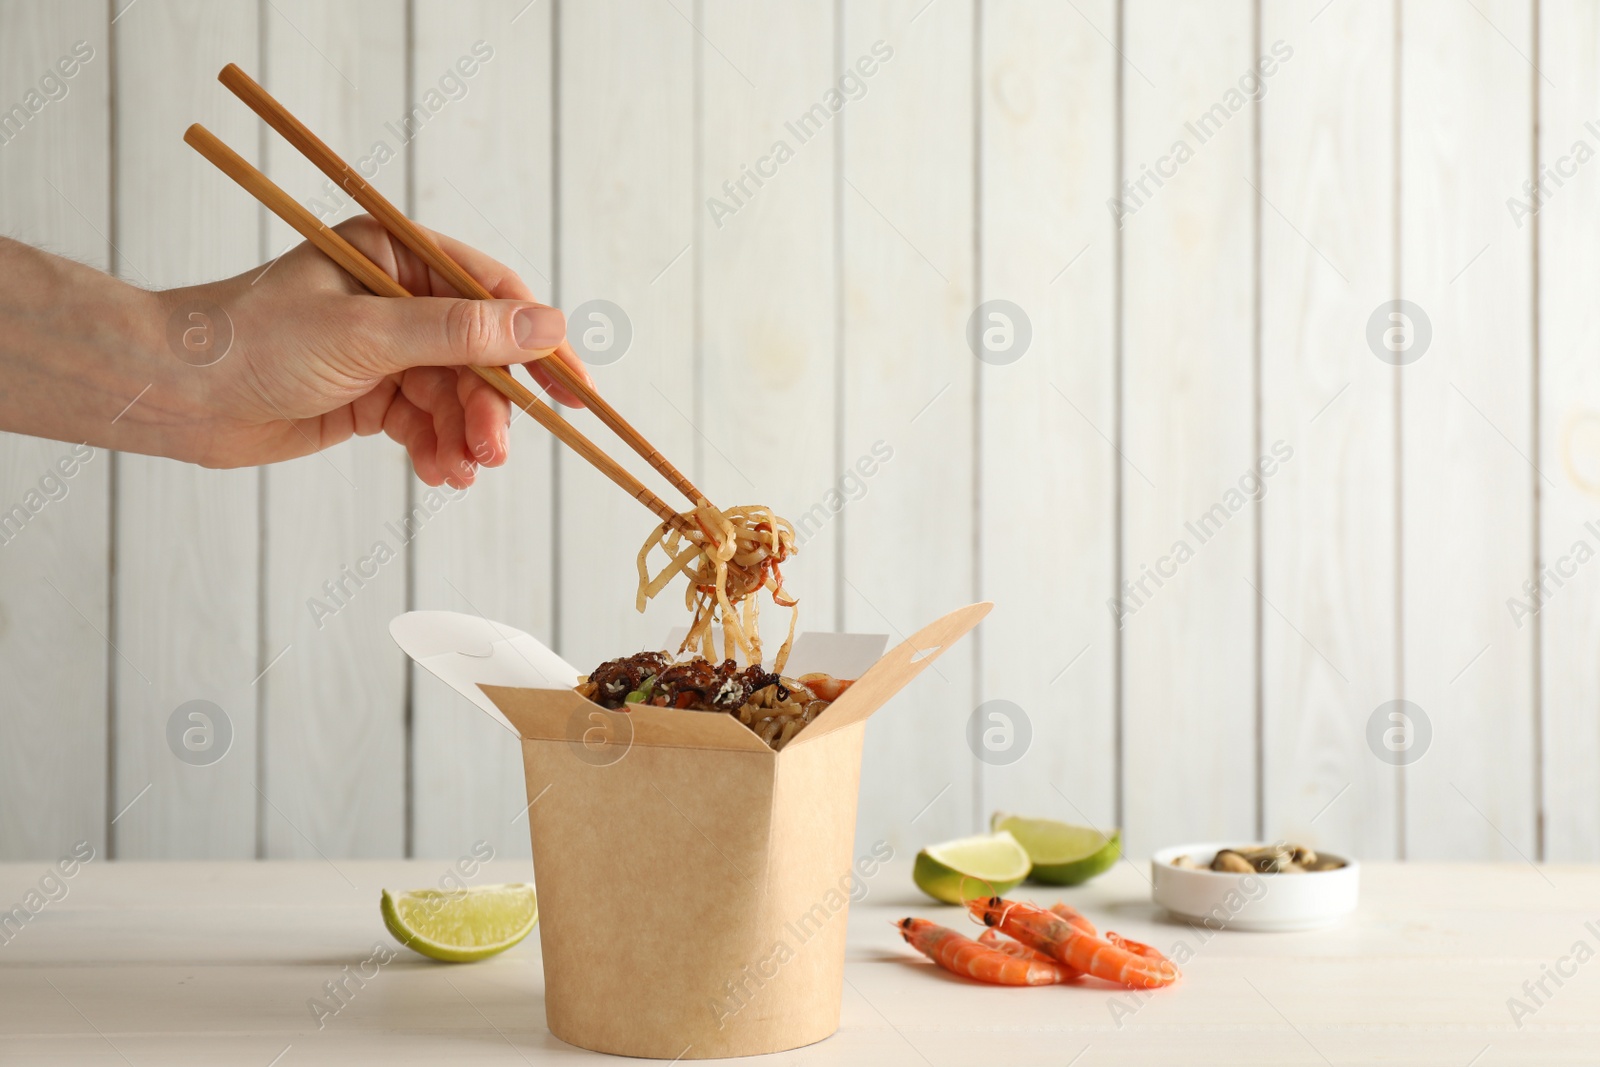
pixel 281 361
pixel 315 358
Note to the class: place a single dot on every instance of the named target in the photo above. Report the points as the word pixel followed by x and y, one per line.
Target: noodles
pixel 729 557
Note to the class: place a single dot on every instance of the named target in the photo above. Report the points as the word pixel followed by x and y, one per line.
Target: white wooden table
pixel 213 963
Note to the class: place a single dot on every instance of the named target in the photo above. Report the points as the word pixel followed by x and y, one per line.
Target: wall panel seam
pixel 263 497
pixel 557 299
pixel 1398 395
pixel 1257 510
pixel 1537 437
pixel 408 769
pixel 113 219
pixel 979 780
pixel 841 528
pixel 1118 499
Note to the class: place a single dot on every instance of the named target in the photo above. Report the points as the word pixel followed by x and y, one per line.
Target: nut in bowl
pixel 1229 885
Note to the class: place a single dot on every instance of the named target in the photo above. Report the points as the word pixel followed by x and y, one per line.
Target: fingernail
pixel 538 327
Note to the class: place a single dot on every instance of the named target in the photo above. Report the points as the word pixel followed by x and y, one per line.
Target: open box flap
pixel 464 650
pixel 893 672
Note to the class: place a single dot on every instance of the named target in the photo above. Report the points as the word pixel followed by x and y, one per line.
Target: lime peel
pixel 460 926
pixel 985 865
pixel 1062 854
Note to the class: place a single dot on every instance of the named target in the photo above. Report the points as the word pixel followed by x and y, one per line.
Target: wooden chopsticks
pixel 374 278
pixel 423 245
pixel 413 237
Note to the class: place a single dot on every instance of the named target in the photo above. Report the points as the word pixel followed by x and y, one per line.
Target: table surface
pixel 211 963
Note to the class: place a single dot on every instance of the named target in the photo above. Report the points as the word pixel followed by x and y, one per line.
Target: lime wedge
pixel 1062 854
pixel 988 865
pixel 460 926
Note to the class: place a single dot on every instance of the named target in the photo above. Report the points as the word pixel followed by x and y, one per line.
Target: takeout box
pixel 693 884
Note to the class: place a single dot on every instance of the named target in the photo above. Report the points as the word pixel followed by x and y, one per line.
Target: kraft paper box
pixel 693 883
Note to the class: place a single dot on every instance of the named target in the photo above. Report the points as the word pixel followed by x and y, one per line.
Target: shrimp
pixel 1112 958
pixel 1138 948
pixel 996 940
pixel 1079 921
pixel 824 687
pixel 966 957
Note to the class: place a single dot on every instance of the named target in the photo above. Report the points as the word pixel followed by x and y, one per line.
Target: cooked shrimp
pixel 964 956
pixel 1138 948
pixel 825 687
pixel 1079 921
pixel 996 939
pixel 1127 963
pixel 1000 942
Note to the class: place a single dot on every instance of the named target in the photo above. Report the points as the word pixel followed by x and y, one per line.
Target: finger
pixel 542 374
pixel 488 416
pixel 502 282
pixel 371 407
pixel 335 426
pixel 413 428
pixel 393 335
pixel 450 429
pixel 434 390
pixel 389 255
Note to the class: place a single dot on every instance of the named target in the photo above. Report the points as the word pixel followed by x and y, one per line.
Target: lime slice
pixel 988 865
pixel 1062 854
pixel 460 926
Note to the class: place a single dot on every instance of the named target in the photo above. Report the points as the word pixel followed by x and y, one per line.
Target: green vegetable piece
pixel 641 694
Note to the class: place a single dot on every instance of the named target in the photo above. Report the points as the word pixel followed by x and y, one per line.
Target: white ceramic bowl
pixel 1224 901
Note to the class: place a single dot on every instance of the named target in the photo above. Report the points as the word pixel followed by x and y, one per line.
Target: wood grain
pixel 483 171
pixel 55 192
pixel 765 418
pixel 334 703
pixel 1569 432
pixel 776 342
pixel 1328 526
pixel 906 468
pixel 187 539
pixel 1048 534
pixel 1422 974
pixel 1468 447
pixel 1189 655
pixel 628 227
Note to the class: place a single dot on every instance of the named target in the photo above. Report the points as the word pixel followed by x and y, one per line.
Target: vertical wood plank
pixel 1466 422
pixel 333 691
pixel 186 538
pixel 906 469
pixel 1569 428
pixel 766 418
pixel 1328 545
pixel 1188 666
pixel 55 192
pixel 629 210
pixel 483 174
pixel 1049 467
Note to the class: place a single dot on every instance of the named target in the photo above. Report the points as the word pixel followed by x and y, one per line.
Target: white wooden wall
pixel 828 314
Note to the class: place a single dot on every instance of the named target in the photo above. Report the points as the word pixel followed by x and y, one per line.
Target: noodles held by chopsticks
pixel 729 556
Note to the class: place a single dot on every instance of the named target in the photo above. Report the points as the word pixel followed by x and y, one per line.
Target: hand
pixel 315 358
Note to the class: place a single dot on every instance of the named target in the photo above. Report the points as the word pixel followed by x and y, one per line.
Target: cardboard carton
pixel 693 884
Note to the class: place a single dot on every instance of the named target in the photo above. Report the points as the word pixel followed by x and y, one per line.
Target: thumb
pixel 450 332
